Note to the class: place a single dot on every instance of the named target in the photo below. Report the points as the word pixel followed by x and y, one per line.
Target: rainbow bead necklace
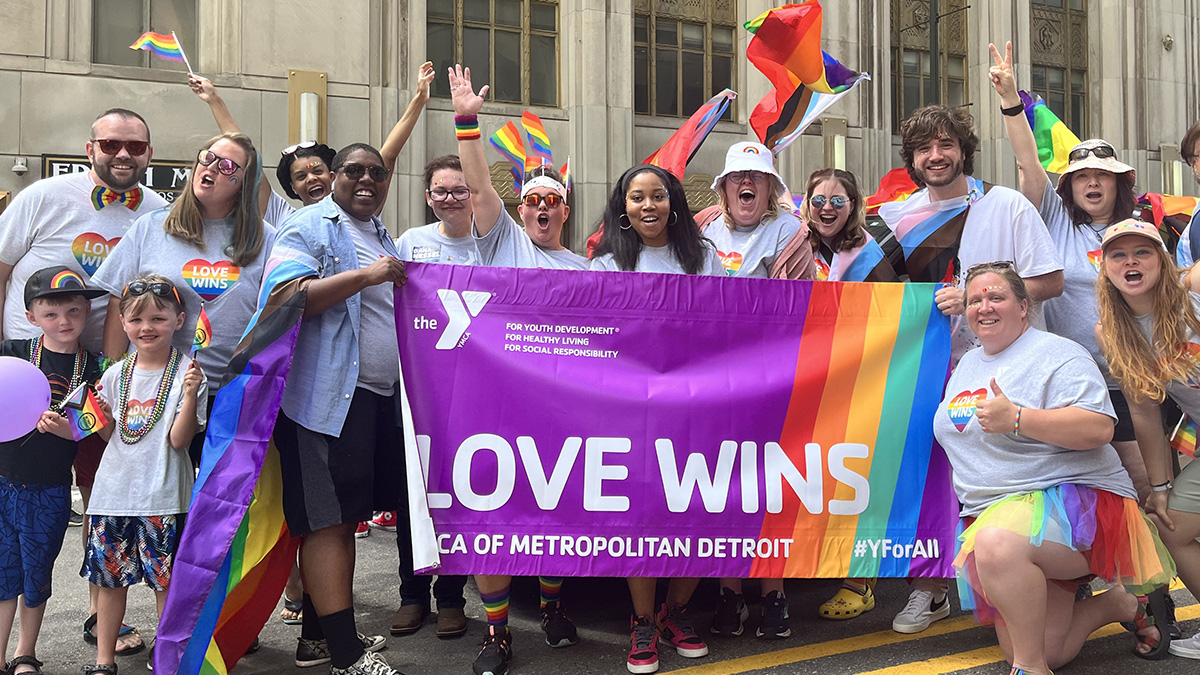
pixel 35 357
pixel 131 436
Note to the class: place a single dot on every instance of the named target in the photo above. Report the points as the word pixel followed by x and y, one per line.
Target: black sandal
pixel 1152 611
pixel 100 669
pixel 25 661
pixel 89 637
pixel 295 607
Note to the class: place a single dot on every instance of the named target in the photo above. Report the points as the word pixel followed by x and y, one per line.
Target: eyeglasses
pixel 1100 151
pixel 440 195
pixel 739 176
pixel 356 171
pixel 995 264
pixel 836 201
pixel 226 166
pixel 553 200
pixel 111 147
pixel 291 149
pixel 160 288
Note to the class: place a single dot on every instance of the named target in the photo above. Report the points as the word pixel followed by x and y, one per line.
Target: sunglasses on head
pixel 356 171
pixel 111 147
pixel 441 195
pixel 836 201
pixel 1101 151
pixel 291 149
pixel 553 200
pixel 995 264
pixel 160 288
pixel 227 167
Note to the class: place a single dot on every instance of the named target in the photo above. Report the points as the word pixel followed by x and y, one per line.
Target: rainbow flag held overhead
pixel 82 409
pixel 203 331
pixel 539 142
pixel 682 146
pixel 162 46
pixel 1054 139
pixel 1184 438
pixel 507 141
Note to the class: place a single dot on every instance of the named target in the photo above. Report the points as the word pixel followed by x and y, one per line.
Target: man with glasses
pixel 76 219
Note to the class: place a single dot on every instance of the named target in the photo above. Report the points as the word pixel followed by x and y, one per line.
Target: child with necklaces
pixel 145 479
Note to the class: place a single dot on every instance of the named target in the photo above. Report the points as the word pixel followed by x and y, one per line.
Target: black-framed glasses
pixel 160 288
pixel 226 166
pixel 739 176
pixel 836 201
pixel 457 194
pixel 291 149
pixel 995 264
pixel 553 200
pixel 1100 151
pixel 111 147
pixel 356 171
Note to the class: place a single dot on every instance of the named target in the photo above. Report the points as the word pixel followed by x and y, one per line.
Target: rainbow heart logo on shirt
pixel 208 279
pixel 90 249
pixel 822 270
pixel 962 407
pixel 1095 257
pixel 138 413
pixel 731 261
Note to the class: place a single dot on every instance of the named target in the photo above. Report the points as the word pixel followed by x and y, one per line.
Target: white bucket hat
pixel 749 156
pixel 1086 155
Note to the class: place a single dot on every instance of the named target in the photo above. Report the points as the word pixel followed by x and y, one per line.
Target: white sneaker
pixel 920 611
pixel 1188 649
pixel 369 663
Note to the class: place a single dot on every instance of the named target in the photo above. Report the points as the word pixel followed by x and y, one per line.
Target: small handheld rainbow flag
pixel 203 331
pixel 82 410
pixel 539 141
pixel 1184 438
pixel 566 173
pixel 507 142
pixel 163 46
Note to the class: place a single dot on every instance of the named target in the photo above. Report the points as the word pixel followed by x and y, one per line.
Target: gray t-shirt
pixel 428 244
pixel 1074 314
pixel 1185 393
pixel 751 251
pixel 507 245
pixel 378 349
pixel 229 293
pixel 660 259
pixel 278 209
pixel 1038 371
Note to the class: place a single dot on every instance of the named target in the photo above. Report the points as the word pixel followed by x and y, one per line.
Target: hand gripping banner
pixel 571 423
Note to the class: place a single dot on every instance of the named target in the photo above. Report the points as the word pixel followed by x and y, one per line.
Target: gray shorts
pixel 1185 496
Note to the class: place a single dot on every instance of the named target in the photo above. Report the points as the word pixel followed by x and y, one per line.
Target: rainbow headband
pixel 546 182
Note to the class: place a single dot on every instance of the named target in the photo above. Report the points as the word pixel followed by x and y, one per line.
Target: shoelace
pixel 918 602
pixel 644 637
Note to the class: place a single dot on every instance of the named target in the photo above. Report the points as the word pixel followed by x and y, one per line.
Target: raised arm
pixel 484 198
pixel 207 92
pixel 394 144
pixel 1032 176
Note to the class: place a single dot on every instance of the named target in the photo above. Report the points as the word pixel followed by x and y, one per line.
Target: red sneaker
pixel 643 645
pixel 386 521
pixel 675 628
pixel 362 531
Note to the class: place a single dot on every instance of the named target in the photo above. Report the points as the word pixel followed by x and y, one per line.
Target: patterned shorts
pixel 123 550
pixel 33 520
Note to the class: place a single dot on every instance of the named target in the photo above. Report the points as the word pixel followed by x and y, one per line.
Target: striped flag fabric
pixel 896 186
pixel 82 409
pixel 565 172
pixel 507 141
pixel 162 46
pixel 1054 139
pixel 203 331
pixel 1184 437
pixel 539 142
pixel 677 152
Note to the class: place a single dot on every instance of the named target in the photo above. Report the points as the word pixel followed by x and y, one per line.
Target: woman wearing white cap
pixel 1150 331
pixel 1095 190
pixel 752 229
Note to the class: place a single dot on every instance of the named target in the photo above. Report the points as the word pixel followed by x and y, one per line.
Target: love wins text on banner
pixel 619 424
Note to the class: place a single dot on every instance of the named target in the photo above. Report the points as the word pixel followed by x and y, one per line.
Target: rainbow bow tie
pixel 102 197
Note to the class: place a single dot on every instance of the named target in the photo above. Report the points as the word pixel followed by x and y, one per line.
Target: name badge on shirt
pixel 426 253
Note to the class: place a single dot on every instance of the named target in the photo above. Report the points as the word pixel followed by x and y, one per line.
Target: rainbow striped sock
pixel 551 589
pixel 496 606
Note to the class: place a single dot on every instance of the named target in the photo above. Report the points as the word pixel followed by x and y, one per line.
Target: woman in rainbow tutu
pixel 1027 424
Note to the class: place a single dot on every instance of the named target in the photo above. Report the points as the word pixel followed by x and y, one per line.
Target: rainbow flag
pixel 203 331
pixel 1054 139
pixel 682 146
pixel 539 142
pixel 236 553
pixel 507 141
pixel 82 409
pixel 1184 437
pixel 896 186
pixel 162 46
pixel 930 233
pixel 1163 206
pixel 565 172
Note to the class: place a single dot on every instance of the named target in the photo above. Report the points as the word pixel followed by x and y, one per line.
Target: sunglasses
pixel 159 288
pixel 226 166
pixel 739 176
pixel 111 147
pixel 291 149
pixel 552 200
pixel 356 171
pixel 836 201
pixel 458 194
pixel 1100 151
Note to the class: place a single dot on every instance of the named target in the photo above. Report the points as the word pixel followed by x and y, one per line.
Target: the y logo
pixel 459 311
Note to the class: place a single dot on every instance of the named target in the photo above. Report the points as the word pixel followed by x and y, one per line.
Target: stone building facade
pixel 611 80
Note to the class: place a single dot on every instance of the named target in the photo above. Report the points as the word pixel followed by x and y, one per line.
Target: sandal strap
pixel 25 660
pixel 861 592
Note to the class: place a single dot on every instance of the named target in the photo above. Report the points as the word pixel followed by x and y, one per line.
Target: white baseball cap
pixel 749 156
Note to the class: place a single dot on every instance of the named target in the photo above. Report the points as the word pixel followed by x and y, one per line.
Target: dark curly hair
pixel 625 245
pixel 283 172
pixel 927 123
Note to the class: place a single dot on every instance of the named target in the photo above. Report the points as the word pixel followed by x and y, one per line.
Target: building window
pixel 682 56
pixel 511 45
pixel 912 80
pixel 117 23
pixel 1058 32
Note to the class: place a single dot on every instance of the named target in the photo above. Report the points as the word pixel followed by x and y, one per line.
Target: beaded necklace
pixel 131 436
pixel 35 357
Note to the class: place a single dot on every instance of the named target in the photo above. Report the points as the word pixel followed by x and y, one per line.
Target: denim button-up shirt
pixel 324 370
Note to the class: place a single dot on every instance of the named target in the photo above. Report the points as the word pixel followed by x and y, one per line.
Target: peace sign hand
pixel 466 101
pixel 1001 75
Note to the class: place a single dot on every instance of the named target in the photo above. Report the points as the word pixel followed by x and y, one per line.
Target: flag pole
pixel 181 53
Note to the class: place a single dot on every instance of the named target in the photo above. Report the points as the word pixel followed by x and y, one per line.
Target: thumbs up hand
pixel 996 415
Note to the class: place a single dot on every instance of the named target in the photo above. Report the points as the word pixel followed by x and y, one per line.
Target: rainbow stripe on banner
pixel 162 46
pixel 1054 139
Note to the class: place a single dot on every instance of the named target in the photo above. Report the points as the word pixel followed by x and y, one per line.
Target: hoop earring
pixel 672 222
pixel 625 227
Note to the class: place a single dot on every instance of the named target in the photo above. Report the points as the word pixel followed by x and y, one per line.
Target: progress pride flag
pixel 622 424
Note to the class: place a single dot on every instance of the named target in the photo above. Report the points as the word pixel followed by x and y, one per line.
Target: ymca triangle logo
pixel 459 310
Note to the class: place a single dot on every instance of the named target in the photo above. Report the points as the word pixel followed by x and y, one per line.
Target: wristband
pixel 1017 424
pixel 1165 487
pixel 1014 110
pixel 466 127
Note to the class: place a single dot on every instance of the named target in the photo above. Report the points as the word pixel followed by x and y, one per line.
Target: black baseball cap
pixel 59 280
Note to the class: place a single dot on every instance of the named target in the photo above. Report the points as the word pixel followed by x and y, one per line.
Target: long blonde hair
pixel 1145 369
pixel 184 220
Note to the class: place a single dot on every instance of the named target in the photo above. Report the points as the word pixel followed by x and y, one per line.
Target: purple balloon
pixel 24 396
